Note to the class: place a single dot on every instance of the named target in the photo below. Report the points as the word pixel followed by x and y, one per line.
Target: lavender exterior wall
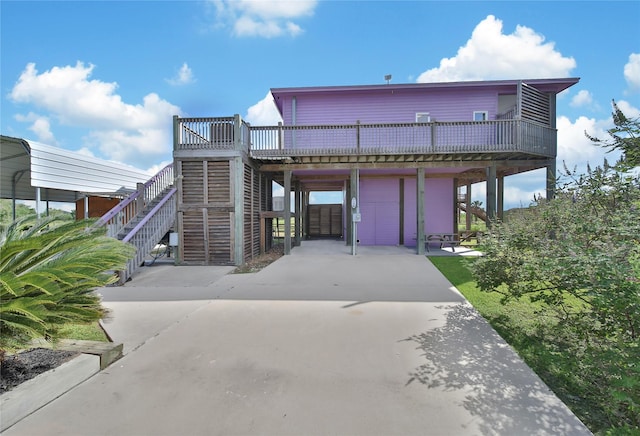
pixel 399 106
pixel 438 204
pixel 380 209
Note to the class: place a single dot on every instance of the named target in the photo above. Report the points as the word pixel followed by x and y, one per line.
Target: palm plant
pixel 49 269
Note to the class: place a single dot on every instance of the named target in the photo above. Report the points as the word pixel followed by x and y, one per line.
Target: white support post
pixel 38 203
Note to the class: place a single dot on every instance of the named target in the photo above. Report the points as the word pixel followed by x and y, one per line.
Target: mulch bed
pixel 261 261
pixel 18 368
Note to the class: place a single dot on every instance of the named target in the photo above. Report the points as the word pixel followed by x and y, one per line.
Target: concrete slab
pixel 157 297
pixel 316 343
pixel 33 394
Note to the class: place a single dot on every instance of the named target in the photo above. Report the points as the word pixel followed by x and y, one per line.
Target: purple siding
pixel 438 204
pixel 454 101
pixel 380 210
pixel 397 107
pixel 410 215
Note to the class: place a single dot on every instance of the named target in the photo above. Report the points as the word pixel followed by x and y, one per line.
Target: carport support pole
pixel 287 212
pixel 420 211
pixel 38 203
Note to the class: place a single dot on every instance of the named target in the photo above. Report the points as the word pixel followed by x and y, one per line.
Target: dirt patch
pixel 20 367
pixel 261 261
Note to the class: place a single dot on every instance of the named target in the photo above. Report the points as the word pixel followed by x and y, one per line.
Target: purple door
pixel 380 211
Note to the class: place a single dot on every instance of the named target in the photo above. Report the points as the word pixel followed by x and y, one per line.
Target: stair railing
pixel 117 218
pixel 149 231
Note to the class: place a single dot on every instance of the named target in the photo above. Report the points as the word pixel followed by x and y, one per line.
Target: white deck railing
pixel 498 136
pixel 456 137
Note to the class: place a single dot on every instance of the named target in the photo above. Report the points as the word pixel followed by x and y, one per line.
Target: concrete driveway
pixel 318 343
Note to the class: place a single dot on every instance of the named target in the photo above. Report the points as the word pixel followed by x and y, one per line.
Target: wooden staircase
pixel 143 218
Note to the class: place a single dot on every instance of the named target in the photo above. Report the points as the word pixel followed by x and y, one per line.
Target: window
pixel 480 115
pixel 423 117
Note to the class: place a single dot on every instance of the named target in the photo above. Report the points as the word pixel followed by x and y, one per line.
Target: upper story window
pixel 423 117
pixel 480 115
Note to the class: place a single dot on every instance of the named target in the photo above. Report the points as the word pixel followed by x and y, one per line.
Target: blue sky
pixel 105 78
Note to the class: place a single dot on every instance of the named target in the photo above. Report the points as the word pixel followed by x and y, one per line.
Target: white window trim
pixel 485 115
pixel 420 115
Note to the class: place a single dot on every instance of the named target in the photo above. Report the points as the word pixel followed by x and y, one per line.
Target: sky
pixel 105 78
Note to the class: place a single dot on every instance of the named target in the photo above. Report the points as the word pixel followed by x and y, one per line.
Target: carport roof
pixel 64 176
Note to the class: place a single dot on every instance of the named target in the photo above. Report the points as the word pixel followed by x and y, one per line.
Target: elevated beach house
pixel 398 153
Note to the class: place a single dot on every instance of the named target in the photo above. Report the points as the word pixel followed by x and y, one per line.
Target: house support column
pixel 298 214
pixel 491 195
pixel 500 199
pixel 467 202
pixel 420 211
pixel 305 214
pixel 551 179
pixel 238 198
pixel 456 208
pixel 287 212
pixel 354 208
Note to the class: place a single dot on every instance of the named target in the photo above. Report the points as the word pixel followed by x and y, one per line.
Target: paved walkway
pixel 320 342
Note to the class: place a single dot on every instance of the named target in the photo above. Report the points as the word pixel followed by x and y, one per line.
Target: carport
pixel 30 170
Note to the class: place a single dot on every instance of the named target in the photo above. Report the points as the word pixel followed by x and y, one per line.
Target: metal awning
pixel 61 175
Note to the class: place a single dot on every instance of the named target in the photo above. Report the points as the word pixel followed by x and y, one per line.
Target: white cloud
pixel 264 113
pixel 137 134
pixel 491 54
pixel 632 72
pixel 155 169
pixel 184 76
pixel 41 126
pixel 628 110
pixel 574 148
pixel 263 18
pixel 582 98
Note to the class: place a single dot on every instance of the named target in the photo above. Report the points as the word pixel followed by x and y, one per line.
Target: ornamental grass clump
pixel 49 269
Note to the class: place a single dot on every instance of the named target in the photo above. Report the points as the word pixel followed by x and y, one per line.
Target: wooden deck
pixel 354 143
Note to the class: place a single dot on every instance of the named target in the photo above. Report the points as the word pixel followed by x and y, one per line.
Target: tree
pixel 624 136
pixel 577 257
pixel 48 271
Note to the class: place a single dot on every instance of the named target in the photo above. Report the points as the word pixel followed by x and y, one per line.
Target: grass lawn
pixel 88 332
pixel 528 333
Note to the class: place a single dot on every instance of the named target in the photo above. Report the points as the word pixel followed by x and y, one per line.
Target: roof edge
pixel 567 81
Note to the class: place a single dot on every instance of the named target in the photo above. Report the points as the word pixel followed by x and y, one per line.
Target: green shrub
pixel 48 271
